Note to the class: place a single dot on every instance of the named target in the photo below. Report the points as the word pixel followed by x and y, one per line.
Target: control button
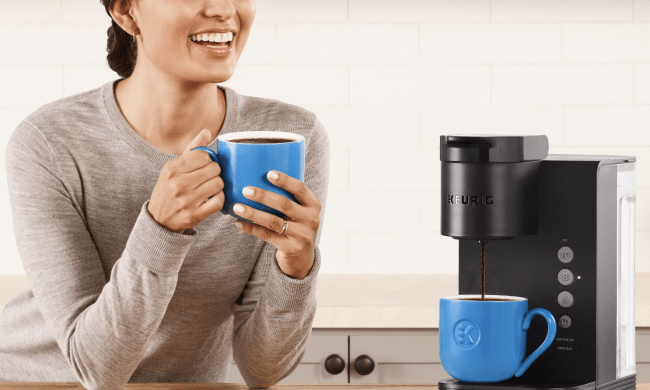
pixel 565 254
pixel 565 299
pixel 565 321
pixel 565 277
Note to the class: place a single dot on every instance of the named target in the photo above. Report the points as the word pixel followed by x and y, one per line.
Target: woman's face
pixel 166 28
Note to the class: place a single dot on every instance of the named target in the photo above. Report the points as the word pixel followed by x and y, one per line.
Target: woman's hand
pixel 295 254
pixel 180 199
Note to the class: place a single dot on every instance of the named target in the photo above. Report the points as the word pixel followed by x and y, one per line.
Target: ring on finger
pixel 284 228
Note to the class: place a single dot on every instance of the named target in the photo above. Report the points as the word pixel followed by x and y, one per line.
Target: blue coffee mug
pixel 485 341
pixel 246 164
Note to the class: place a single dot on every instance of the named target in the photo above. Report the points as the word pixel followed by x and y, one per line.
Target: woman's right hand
pixel 179 200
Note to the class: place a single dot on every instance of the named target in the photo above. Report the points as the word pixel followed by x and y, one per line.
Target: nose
pixel 222 9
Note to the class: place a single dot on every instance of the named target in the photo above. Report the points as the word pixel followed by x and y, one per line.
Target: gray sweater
pixel 114 296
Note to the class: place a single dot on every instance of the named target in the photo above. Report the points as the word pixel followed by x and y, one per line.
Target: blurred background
pixel 386 77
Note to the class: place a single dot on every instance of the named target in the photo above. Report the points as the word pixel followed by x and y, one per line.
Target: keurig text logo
pixel 470 199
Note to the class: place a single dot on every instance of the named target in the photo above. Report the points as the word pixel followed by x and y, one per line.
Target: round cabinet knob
pixel 334 364
pixel 364 365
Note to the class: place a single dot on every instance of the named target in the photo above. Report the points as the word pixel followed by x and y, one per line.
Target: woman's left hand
pixel 295 254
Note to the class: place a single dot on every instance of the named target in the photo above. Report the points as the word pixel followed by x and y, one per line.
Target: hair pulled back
pixel 122 51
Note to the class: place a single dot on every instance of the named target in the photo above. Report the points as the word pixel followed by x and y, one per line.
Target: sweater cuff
pixel 159 249
pixel 291 294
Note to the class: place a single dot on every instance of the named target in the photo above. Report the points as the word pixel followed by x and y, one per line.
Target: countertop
pixel 231 386
pixel 209 386
pixel 378 300
pixel 407 300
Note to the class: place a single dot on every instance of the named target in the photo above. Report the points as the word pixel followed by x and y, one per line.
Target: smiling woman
pixel 134 274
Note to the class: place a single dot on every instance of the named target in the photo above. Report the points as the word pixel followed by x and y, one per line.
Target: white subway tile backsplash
pixel 10 263
pixel 642 252
pixel 57 44
pixel 437 121
pixel 6 220
pixel 84 11
pixel 301 11
pixel 486 43
pixel 394 169
pixel 261 46
pixel 387 78
pixel 642 10
pixel 301 85
pixel 419 11
pixel 642 83
pixel 339 169
pixel 403 253
pixel 334 247
pixel 30 11
pixel 82 78
pixel 607 125
pixel 430 205
pixel 606 43
pixel 642 155
pixel 30 85
pixel 370 127
pixel 562 84
pixel 419 85
pixel 562 10
pixel 374 211
pixel 348 43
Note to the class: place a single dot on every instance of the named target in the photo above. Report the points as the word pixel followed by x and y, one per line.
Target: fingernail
pixel 239 224
pixel 247 191
pixel 204 141
pixel 272 175
pixel 238 208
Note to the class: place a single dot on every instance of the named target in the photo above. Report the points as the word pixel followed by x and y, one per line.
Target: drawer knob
pixel 334 364
pixel 364 365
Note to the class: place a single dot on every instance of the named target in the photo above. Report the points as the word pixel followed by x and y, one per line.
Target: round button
pixel 565 299
pixel 565 321
pixel 565 277
pixel 565 254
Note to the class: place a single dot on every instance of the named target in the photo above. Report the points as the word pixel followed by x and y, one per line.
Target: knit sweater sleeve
pixel 274 315
pixel 103 327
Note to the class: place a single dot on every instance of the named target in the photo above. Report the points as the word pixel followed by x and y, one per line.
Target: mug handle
pixel 213 156
pixel 550 336
pixel 211 152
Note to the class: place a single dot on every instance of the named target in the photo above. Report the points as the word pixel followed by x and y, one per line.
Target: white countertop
pixel 407 300
pixel 377 300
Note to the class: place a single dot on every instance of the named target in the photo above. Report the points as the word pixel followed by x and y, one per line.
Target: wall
pixel 386 77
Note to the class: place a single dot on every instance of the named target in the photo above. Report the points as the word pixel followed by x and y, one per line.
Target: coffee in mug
pixel 261 140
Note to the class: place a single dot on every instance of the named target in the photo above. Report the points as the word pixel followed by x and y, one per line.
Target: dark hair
pixel 122 51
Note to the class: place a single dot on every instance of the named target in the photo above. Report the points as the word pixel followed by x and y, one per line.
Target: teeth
pixel 225 37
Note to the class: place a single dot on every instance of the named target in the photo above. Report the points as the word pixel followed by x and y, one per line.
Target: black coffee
pixel 261 140
pixel 488 299
pixel 483 270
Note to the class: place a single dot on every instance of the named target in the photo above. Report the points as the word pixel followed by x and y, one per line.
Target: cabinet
pixel 399 355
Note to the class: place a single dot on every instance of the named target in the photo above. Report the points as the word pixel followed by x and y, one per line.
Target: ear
pixel 122 13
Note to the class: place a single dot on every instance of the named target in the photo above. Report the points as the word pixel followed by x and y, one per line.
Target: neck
pixel 168 112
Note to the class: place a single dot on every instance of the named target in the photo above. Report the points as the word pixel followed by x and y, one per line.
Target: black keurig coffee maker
pixel 559 231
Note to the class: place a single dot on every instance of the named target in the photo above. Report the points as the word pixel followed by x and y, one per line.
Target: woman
pixel 134 275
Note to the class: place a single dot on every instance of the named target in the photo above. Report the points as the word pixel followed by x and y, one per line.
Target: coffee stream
pixel 483 270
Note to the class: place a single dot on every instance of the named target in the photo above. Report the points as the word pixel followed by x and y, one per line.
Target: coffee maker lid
pixel 493 148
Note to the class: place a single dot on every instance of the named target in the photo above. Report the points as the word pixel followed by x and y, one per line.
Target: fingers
pixel 275 201
pixel 192 160
pixel 210 206
pixel 262 218
pixel 208 188
pixel 262 232
pixel 302 193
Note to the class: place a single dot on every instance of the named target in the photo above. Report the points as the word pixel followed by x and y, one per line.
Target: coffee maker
pixel 559 231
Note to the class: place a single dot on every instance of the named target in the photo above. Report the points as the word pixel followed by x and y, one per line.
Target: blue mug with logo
pixel 485 341
pixel 246 157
